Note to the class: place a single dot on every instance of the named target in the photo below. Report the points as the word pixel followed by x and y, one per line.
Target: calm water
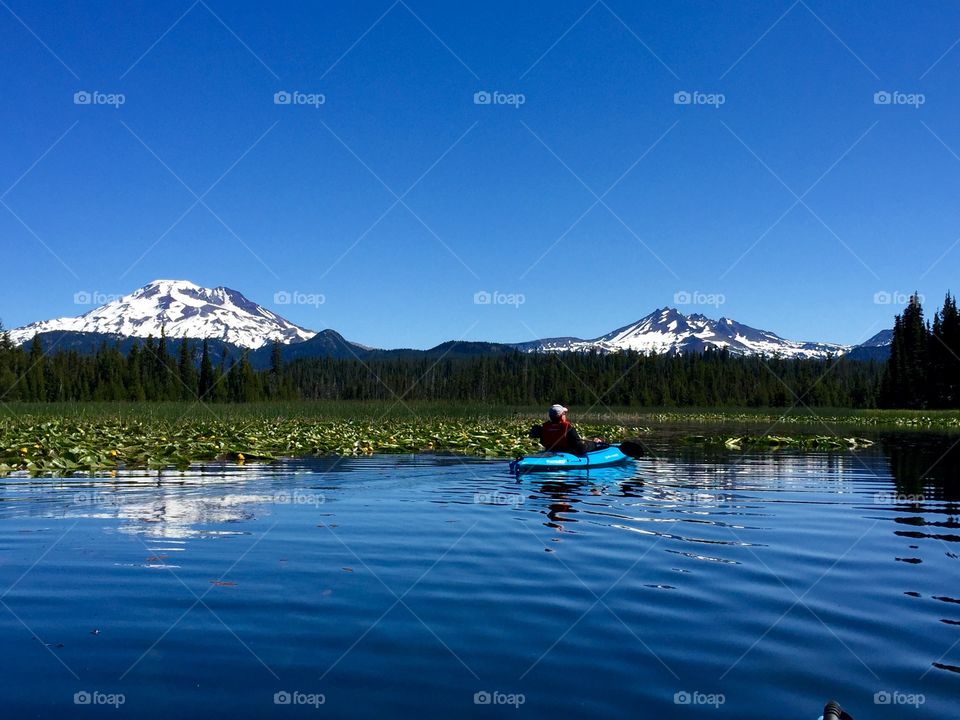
pixel 751 586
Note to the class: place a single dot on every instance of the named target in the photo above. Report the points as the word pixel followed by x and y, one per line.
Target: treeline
pixel 711 379
pixel 924 366
pixel 149 372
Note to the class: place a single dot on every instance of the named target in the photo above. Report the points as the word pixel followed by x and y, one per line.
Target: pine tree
pixel 904 384
pixel 8 376
pixel 276 369
pixel 950 334
pixel 187 372
pixel 248 384
pixel 148 364
pixel 135 389
pixel 206 373
pixel 165 369
pixel 943 361
pixel 36 372
pixel 220 390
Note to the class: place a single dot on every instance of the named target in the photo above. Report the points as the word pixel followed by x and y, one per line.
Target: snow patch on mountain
pixel 181 309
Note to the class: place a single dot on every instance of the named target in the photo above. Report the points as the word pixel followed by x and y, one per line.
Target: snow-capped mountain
pixel 667 330
pixel 182 309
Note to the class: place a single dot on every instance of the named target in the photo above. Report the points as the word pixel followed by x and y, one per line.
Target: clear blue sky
pixel 106 194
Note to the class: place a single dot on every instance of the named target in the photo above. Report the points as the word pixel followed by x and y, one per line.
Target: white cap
pixel 557 410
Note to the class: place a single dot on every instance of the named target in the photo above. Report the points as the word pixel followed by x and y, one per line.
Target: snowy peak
pixel 181 309
pixel 656 332
pixel 668 331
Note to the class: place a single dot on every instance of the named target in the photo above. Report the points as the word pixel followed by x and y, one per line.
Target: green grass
pixel 373 410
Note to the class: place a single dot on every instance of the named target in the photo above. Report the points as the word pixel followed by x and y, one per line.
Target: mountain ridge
pixel 183 309
pixel 667 330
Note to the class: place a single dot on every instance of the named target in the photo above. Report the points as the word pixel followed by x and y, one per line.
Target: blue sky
pixel 789 206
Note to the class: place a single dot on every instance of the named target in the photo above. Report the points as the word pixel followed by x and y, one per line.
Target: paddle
pixel 633 447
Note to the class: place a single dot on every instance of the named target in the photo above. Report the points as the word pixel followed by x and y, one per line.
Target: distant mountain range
pixel 234 323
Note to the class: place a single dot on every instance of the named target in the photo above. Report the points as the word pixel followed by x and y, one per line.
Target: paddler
pixel 559 435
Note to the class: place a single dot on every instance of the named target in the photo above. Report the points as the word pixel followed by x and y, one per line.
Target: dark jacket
pixel 575 443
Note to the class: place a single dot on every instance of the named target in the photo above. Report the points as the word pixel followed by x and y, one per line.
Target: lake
pixel 689 585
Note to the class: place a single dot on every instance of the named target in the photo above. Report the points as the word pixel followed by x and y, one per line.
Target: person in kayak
pixel 558 435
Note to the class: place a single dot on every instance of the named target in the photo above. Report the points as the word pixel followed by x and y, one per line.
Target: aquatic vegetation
pixel 774 442
pixel 900 419
pixel 104 437
pixel 63 446
pixel 948 420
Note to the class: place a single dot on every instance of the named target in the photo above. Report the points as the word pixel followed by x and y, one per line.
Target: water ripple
pixel 408 584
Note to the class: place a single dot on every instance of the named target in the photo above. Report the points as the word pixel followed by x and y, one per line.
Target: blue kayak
pixel 568 461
